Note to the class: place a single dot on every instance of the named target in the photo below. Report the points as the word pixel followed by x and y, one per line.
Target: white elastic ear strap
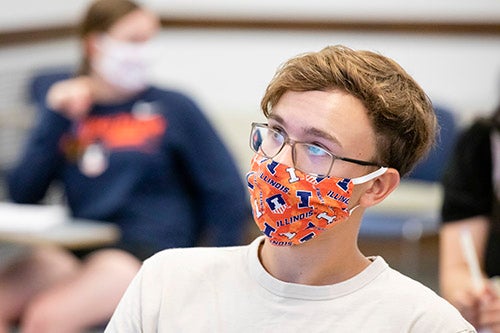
pixel 370 176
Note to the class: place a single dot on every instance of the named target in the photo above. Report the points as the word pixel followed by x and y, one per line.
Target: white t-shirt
pixel 228 290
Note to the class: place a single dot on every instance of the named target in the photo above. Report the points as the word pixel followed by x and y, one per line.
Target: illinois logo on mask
pixel 277 204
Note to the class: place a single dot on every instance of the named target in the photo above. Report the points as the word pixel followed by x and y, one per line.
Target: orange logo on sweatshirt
pixel 116 132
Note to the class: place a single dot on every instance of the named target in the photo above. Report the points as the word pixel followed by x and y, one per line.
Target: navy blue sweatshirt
pixel 167 177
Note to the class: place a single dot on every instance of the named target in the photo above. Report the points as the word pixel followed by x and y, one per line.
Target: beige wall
pixel 227 71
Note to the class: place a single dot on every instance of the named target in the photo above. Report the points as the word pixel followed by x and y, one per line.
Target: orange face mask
pixel 291 207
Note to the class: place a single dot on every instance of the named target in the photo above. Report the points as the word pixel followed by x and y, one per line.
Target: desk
pixel 75 234
pixel 30 224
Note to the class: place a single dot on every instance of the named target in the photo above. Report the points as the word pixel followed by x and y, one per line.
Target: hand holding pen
pixel 483 307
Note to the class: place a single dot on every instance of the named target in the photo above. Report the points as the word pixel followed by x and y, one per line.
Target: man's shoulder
pixel 398 285
pixel 421 303
pixel 196 259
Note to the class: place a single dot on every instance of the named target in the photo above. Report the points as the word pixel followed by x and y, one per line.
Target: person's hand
pixel 72 98
pixel 489 310
pixel 467 301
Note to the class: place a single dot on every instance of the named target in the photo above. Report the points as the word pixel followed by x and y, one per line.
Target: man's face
pixel 333 120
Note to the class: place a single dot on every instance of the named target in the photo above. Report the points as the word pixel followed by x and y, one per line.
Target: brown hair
pixel 401 113
pixel 100 17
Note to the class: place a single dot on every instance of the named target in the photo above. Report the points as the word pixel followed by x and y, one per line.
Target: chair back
pixel 431 167
pixel 43 79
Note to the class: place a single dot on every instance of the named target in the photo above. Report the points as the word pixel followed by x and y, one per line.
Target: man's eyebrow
pixel 316 132
pixel 312 131
pixel 276 118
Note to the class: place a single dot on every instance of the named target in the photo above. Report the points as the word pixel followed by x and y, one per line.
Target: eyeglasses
pixel 306 157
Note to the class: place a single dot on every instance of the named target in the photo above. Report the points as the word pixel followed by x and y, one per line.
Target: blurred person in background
pixel 471 202
pixel 125 152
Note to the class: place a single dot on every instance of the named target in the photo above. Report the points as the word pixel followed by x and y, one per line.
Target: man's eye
pixel 276 136
pixel 315 150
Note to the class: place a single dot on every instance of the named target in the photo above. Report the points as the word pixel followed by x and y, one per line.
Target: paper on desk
pixel 30 218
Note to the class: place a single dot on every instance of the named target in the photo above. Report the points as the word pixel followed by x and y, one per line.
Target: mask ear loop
pixel 353 209
pixel 370 176
pixel 366 178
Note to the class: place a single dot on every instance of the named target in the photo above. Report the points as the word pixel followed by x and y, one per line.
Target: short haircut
pixel 400 112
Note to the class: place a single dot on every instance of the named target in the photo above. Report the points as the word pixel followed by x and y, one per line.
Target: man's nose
pixel 285 156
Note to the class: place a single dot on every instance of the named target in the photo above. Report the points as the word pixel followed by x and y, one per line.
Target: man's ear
pixel 380 188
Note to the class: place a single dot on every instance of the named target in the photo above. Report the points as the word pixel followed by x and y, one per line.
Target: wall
pixel 28 13
pixel 227 71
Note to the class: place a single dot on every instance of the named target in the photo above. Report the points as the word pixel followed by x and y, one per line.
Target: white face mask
pixel 123 64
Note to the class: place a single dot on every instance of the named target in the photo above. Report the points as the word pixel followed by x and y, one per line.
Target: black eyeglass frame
pixel 292 143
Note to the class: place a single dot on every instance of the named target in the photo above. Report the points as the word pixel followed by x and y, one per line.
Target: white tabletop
pixel 39 224
pixel 74 234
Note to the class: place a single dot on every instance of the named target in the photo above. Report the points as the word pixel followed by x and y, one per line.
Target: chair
pixel 413 210
pixel 432 167
pixel 43 79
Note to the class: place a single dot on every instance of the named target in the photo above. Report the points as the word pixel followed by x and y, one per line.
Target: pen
pixel 471 258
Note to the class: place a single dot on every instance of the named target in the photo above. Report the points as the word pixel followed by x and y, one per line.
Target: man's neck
pixel 331 258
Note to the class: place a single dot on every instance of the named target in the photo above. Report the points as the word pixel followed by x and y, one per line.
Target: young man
pixel 343 125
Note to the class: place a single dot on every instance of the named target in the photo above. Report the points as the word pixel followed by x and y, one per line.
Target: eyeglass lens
pixel 307 158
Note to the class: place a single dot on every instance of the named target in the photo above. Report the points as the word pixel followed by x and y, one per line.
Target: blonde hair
pixel 401 113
